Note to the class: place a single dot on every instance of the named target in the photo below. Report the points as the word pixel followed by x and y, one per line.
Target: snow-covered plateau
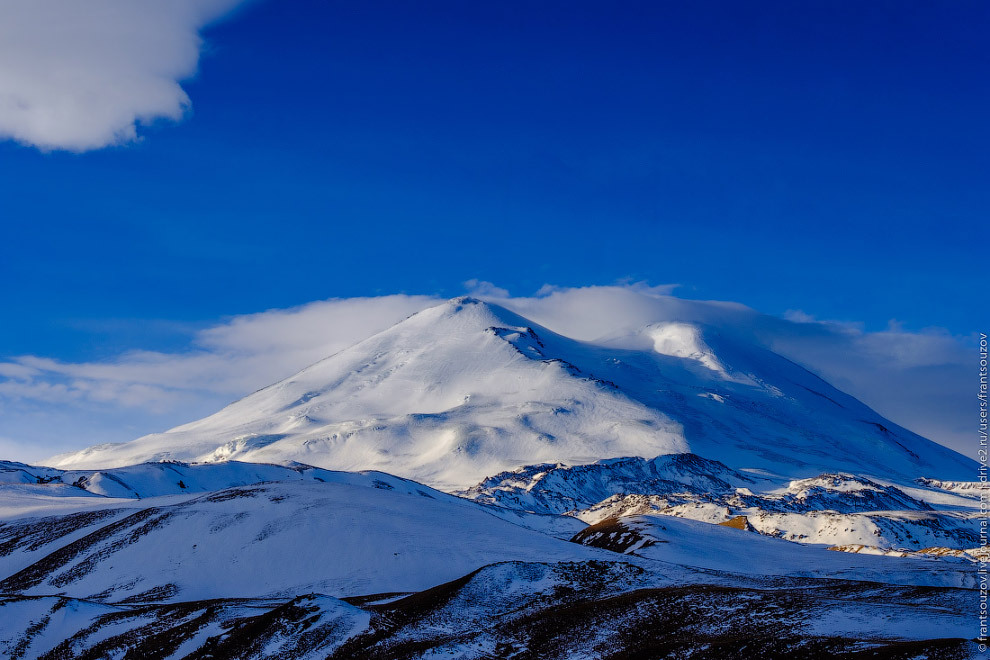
pixel 470 484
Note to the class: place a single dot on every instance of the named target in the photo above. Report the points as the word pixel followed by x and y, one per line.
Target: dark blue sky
pixel 832 157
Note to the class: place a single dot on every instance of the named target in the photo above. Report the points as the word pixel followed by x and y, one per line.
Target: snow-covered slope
pixel 615 611
pixel 523 610
pixel 300 562
pixel 466 390
pixel 309 627
pixel 156 479
pixel 357 534
pixel 834 509
pixel 715 547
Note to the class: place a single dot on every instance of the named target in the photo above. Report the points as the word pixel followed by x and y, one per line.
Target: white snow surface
pixel 714 547
pixel 358 535
pixel 34 627
pixel 466 390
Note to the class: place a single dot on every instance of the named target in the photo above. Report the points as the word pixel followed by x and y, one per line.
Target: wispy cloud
pixel 49 405
pixel 482 288
pixel 229 359
pixel 83 75
pixel 917 379
pixel 921 380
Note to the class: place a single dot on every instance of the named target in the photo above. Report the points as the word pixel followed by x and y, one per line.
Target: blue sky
pixel 829 157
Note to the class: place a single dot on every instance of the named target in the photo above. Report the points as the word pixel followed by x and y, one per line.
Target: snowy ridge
pixel 266 540
pixel 562 489
pixel 838 492
pixel 971 489
pixel 834 509
pixel 157 479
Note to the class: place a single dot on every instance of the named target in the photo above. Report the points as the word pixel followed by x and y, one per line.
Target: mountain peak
pixel 464 313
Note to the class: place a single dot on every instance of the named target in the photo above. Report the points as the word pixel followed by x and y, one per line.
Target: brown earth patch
pixel 739 522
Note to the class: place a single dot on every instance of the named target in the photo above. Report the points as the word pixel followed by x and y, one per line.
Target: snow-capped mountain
pixel 466 390
pixel 470 484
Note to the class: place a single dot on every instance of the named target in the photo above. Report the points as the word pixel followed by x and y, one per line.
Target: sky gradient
pixel 827 157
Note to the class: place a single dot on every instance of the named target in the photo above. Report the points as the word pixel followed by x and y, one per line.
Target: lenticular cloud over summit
pixel 83 75
pixel 144 391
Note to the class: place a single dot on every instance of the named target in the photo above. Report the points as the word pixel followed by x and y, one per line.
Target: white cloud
pixel 589 313
pixel 80 75
pixel 483 288
pixel 921 380
pixel 247 352
pixel 68 405
pixel 917 379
